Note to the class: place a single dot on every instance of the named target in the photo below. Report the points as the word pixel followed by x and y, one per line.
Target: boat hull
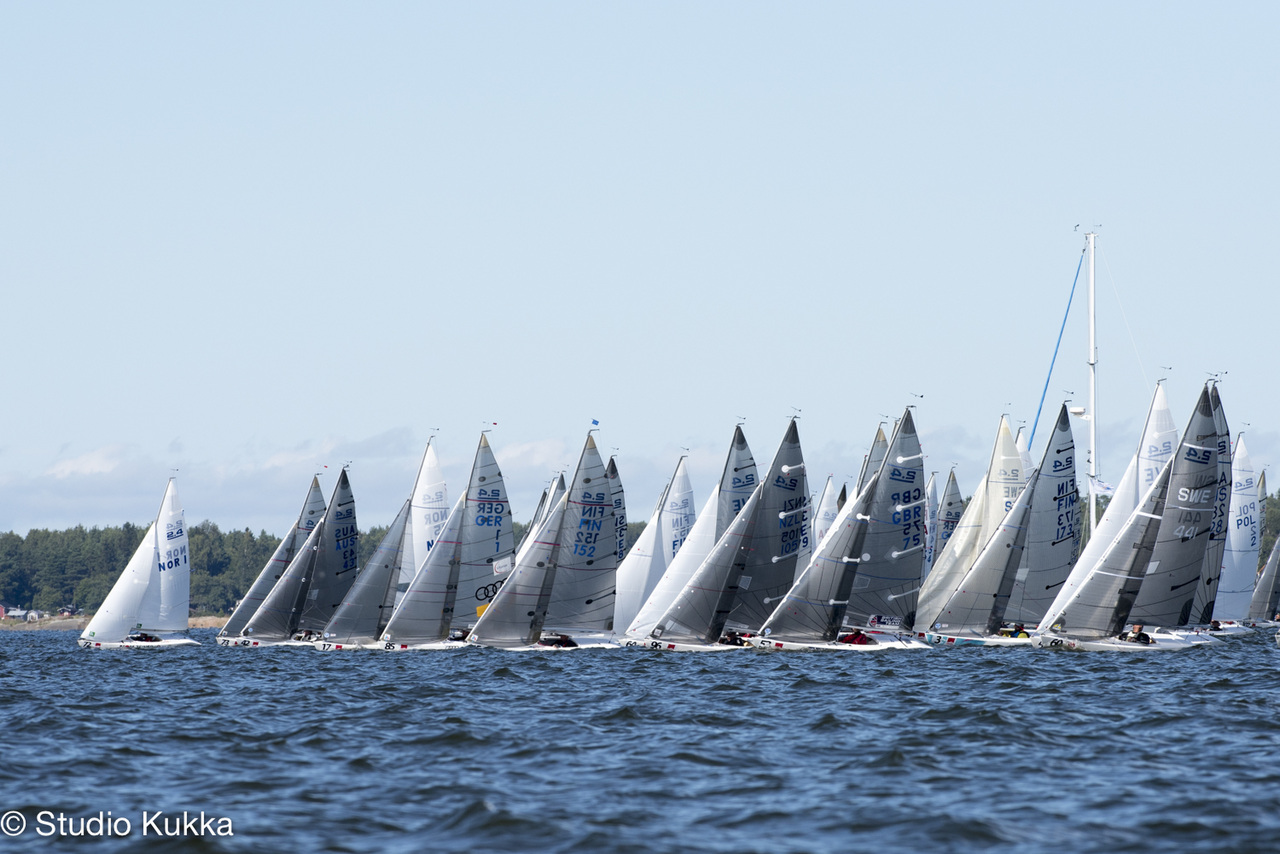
pixel 883 643
pixel 673 646
pixel 256 643
pixel 1164 643
pixel 940 639
pixel 166 643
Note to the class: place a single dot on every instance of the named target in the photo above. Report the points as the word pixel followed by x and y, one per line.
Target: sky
pixel 251 242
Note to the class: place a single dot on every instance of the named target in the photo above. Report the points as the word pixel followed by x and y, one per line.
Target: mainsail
pixel 1244 540
pixel 582 598
pixel 1169 588
pixel 655 548
pixel 312 511
pixel 737 482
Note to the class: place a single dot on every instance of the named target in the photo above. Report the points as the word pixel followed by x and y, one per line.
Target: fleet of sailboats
pixel 1171 563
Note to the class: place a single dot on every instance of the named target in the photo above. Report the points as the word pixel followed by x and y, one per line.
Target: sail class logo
pixel 104 825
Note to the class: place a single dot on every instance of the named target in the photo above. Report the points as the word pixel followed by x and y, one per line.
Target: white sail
pixel 1000 487
pixel 825 510
pixel 469 563
pixel 429 509
pixel 1024 452
pixel 1155 448
pixel 754 563
pixel 1169 588
pixel 657 545
pixel 737 482
pixel 518 612
pixel 1244 540
pixel 121 612
pixel 977 606
pixel 550 498
pixel 699 612
pixel 152 594
pixel 1053 529
pixel 1100 604
pixel 290 543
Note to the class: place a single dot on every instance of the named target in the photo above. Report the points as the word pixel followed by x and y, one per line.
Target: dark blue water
pixel 630 751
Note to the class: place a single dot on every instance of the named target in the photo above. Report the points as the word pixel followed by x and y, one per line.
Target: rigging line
pixel 1125 317
pixel 1065 315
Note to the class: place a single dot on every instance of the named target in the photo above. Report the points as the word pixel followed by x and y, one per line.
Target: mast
pixel 1090 238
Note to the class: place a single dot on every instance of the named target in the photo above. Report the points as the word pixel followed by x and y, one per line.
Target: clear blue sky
pixel 248 240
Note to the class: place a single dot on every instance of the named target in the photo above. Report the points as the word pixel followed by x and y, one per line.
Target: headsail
pixel 657 545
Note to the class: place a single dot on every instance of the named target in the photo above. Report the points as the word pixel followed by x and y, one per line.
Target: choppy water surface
pixel 632 751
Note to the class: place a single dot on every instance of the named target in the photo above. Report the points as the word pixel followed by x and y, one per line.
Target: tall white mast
pixel 1090 238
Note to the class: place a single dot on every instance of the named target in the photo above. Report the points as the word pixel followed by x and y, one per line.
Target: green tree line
pixel 77 567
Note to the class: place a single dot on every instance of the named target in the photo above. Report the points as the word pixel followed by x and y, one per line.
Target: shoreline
pixel 78 624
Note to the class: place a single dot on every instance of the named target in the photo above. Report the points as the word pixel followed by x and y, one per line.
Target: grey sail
pixel 619 509
pixel 950 509
pixel 467 566
pixel 700 611
pixel 1202 609
pixel 1266 593
pixel 1100 605
pixel 277 617
pixel 312 512
pixel 303 600
pixel 1169 589
pixel 585 576
pixel 517 613
pixel 873 460
pixel 886 587
pixel 737 482
pixel 367 606
pixel 1053 529
pixel 980 601
pixel 781 537
pixel 814 608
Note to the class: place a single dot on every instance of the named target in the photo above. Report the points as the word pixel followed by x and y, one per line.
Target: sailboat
pixel 881 528
pixel 738 481
pixel 368 603
pixel 825 510
pixel 1037 540
pixel 751 566
pixel 656 547
pixel 1243 543
pixel 312 511
pixel 564 579
pixel 303 601
pixel 428 510
pixel 992 501
pixel 148 606
pixel 1152 559
pixel 464 571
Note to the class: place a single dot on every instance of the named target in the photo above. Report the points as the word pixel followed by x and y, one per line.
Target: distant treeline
pixel 48 570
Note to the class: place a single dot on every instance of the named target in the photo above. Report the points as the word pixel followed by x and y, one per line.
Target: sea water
pixel 479 750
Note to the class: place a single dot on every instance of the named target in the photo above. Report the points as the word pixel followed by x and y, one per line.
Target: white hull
pixel 942 639
pixel 253 643
pixel 671 646
pixel 883 643
pixel 1159 643
pixel 393 646
pixel 166 643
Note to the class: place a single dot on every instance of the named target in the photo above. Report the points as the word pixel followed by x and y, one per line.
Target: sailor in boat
pixel 142 637
pixel 1136 635
pixel 734 639
pixel 857 636
pixel 559 642
pixel 1019 631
